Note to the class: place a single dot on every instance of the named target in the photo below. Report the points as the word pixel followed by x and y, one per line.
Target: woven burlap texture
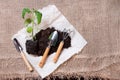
pixel 97 20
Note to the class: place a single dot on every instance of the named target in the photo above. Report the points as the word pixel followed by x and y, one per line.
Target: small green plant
pixel 32 20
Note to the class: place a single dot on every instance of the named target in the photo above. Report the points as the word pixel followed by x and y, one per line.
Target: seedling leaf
pixel 27 22
pixel 25 10
pixel 29 29
pixel 38 16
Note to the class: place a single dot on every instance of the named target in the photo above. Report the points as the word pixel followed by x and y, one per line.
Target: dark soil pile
pixel 38 46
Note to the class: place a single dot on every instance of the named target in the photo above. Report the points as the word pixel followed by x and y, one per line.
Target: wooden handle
pixel 26 62
pixel 44 57
pixel 58 51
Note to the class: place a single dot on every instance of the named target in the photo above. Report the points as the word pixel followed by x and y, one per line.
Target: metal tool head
pixel 66 33
pixel 53 38
pixel 17 45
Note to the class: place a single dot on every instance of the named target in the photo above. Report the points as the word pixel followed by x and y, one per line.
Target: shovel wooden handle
pixel 44 57
pixel 58 51
pixel 26 62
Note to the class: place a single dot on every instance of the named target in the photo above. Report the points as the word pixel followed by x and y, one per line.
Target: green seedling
pixel 33 19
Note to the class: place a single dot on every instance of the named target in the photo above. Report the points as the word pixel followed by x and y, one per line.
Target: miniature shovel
pixel 20 49
pixel 53 39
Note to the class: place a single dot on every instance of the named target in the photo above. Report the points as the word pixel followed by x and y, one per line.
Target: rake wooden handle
pixel 26 62
pixel 44 57
pixel 58 51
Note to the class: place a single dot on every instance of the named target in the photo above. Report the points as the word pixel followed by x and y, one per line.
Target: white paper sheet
pixel 52 17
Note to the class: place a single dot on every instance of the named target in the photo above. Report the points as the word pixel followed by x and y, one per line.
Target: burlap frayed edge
pixel 56 76
pixel 19 77
pixel 74 76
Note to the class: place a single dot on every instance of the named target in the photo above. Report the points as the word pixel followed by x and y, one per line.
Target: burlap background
pixel 97 20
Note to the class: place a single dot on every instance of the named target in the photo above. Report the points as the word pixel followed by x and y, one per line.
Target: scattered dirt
pixel 38 46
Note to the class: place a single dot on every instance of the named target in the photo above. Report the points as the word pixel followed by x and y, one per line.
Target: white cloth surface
pixel 52 17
